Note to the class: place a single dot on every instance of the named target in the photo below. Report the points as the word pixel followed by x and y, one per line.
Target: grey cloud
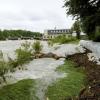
pixel 34 15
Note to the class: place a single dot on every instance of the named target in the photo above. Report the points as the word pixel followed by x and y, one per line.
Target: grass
pixel 63 39
pixel 22 90
pixel 37 47
pixel 70 85
pixel 23 56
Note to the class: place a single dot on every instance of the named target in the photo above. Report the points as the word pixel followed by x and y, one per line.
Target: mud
pixel 92 89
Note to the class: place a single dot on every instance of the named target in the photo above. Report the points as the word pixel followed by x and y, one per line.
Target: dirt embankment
pixel 92 89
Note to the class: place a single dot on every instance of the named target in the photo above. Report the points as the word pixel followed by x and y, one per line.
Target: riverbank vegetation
pixel 22 90
pixel 63 39
pixel 4 68
pixel 24 54
pixel 69 86
pixel 37 47
pixel 14 34
pixel 92 69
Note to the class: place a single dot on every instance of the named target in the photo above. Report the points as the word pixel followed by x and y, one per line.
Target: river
pixel 42 70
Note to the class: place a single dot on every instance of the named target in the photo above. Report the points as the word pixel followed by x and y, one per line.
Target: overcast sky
pixel 34 15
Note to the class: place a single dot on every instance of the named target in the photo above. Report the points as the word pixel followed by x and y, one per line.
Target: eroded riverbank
pixel 92 89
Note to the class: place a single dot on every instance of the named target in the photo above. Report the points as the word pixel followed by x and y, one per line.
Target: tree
pixel 88 11
pixel 97 34
pixel 17 34
pixel 77 28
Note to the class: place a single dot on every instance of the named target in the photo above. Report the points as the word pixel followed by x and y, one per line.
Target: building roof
pixel 56 31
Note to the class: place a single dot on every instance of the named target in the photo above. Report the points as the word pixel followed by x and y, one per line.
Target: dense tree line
pixel 17 34
pixel 88 12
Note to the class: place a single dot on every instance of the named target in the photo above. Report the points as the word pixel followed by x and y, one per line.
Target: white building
pixel 49 34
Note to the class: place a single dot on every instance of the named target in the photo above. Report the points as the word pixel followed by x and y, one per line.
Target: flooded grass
pixel 22 90
pixel 69 86
pixel 54 82
pixel 60 89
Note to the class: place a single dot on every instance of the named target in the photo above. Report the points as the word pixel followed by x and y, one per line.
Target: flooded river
pixel 42 70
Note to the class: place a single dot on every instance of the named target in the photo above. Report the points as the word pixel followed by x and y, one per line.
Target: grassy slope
pixel 69 86
pixel 22 90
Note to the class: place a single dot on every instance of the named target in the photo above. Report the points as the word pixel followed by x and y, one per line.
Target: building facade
pixel 49 34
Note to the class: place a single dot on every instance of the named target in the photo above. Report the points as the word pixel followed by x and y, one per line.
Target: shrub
pixel 23 56
pixel 26 46
pixel 37 46
pixel 4 67
pixel 97 34
pixel 13 65
pixel 62 39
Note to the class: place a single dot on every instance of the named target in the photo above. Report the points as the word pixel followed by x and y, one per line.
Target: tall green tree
pixel 88 11
pixel 77 28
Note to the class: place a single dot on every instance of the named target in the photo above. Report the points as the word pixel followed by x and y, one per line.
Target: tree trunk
pixel 78 35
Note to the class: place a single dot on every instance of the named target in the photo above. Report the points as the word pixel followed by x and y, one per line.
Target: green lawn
pixel 69 86
pixel 22 90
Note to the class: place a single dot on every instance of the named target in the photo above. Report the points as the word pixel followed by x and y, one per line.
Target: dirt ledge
pixel 92 89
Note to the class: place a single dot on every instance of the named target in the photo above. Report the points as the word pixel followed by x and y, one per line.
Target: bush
pixel 4 67
pixel 97 35
pixel 62 39
pixel 25 53
pixel 13 65
pixel 23 56
pixel 37 46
